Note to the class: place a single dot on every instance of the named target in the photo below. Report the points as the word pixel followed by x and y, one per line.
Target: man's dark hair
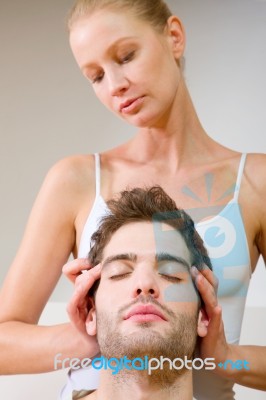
pixel 151 205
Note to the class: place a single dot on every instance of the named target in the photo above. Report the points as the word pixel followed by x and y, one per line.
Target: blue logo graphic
pixel 238 364
pixel 222 230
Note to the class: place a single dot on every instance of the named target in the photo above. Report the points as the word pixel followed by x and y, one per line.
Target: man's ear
pixel 176 35
pixel 91 318
pixel 203 323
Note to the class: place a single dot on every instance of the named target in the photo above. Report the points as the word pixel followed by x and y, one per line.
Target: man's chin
pixel 137 340
pixel 143 328
pixel 150 343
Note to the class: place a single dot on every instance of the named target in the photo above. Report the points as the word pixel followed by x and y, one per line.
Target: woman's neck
pixel 176 139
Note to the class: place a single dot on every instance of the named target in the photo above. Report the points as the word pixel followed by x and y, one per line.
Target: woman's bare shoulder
pixel 255 171
pixel 74 166
pixel 68 184
pixel 72 172
pixel 253 191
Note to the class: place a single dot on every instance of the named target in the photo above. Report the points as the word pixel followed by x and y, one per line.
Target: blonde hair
pixel 156 12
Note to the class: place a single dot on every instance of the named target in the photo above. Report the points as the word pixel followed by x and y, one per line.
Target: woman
pixel 131 52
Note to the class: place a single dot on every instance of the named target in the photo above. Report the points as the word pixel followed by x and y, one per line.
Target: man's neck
pixel 137 386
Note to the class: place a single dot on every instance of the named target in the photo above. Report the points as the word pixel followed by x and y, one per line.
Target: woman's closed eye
pixel 97 79
pixel 127 57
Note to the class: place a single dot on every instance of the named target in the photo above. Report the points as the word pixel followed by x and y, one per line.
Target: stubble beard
pixel 179 341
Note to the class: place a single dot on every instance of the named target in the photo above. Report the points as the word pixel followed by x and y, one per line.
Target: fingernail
pixel 85 271
pixel 194 271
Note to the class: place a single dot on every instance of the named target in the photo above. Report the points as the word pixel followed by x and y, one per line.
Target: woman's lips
pixel 131 105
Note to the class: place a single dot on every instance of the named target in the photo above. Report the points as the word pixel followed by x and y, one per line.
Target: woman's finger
pixel 214 325
pixel 207 292
pixel 77 311
pixel 86 280
pixel 74 268
pixel 77 308
pixel 210 276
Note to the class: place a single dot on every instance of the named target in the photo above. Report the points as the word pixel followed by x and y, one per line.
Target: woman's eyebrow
pixel 119 257
pixel 117 42
pixel 111 48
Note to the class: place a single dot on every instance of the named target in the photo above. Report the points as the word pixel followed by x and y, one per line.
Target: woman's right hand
pixel 79 304
pixel 74 268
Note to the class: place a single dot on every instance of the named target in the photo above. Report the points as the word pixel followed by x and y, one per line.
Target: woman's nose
pixel 118 83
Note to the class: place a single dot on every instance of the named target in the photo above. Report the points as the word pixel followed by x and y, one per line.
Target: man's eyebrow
pixel 169 257
pixel 118 257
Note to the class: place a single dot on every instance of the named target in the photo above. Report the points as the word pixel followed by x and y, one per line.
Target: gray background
pixel 48 110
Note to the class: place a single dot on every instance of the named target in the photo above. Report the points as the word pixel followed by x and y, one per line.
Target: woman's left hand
pixel 214 344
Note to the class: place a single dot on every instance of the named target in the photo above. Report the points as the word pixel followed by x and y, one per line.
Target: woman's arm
pixel 49 238
pixel 27 348
pixel 245 365
pixel 250 370
pixel 248 366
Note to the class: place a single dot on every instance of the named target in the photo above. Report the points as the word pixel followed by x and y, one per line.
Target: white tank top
pixel 225 238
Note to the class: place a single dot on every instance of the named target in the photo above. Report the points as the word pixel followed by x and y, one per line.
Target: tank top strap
pixel 239 175
pixel 97 174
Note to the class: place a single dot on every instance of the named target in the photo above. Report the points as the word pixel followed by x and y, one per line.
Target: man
pixel 145 305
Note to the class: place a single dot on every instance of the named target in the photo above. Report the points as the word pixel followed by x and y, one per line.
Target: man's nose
pixel 118 83
pixel 145 283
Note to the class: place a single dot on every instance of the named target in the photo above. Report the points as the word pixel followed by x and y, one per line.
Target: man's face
pixel 134 314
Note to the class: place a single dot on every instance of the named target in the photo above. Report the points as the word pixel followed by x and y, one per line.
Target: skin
pixel 121 57
pixel 137 276
pixel 168 129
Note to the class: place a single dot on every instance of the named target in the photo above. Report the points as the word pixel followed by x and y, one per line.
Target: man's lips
pixel 145 313
pixel 130 105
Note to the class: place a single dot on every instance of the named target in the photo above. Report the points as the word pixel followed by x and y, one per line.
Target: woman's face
pixel 133 69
